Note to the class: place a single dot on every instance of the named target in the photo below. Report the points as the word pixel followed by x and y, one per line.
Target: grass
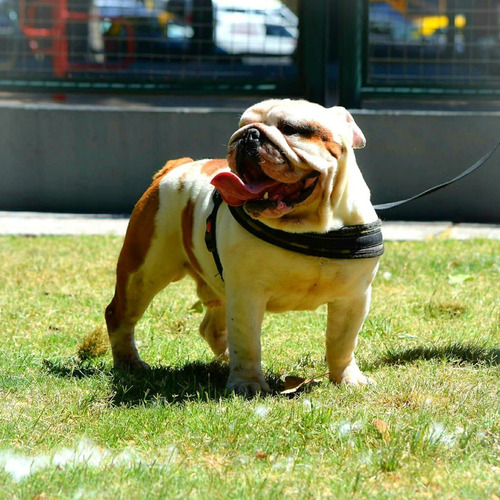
pixel 72 428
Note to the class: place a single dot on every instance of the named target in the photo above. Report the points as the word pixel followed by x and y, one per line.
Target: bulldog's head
pixel 284 154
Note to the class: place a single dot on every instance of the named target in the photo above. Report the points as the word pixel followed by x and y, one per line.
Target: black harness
pixel 350 242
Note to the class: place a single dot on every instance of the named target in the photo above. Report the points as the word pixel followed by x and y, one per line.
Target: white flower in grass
pixel 21 466
pixel 127 458
pixel 438 434
pixel 307 404
pixel 366 458
pixel 173 451
pixel 262 411
pixel 286 464
pixel 86 452
pixel 345 427
pixel 481 435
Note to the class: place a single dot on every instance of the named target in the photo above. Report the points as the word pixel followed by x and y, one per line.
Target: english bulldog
pixel 291 168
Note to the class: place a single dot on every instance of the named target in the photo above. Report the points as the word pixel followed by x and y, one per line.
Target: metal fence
pixel 419 47
pixel 150 45
pixel 292 47
pixel 452 43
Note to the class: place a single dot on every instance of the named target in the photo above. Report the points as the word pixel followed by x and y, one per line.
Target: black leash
pixel 480 162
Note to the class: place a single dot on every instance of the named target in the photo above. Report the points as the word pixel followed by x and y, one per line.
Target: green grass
pixel 71 428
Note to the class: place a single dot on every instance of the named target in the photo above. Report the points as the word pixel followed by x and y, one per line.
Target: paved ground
pixel 38 224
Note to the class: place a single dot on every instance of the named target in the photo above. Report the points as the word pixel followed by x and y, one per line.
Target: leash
pixel 479 163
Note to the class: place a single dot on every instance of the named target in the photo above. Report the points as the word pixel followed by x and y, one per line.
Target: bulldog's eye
pixel 289 129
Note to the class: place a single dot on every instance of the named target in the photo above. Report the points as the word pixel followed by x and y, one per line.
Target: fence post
pixel 313 53
pixel 352 26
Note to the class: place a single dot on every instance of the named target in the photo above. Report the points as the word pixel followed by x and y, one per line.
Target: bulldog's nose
pixel 253 135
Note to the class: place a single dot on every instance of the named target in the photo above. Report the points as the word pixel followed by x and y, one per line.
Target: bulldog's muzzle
pixel 248 156
pixel 267 183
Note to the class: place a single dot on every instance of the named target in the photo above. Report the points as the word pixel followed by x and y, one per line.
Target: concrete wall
pixel 408 152
pixel 100 159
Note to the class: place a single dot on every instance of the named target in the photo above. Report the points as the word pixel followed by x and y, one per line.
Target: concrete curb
pixel 52 224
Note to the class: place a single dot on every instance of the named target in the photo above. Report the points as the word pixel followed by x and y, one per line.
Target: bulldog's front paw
pixel 352 375
pixel 248 387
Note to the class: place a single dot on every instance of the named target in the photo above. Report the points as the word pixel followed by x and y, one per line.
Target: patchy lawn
pixel 71 428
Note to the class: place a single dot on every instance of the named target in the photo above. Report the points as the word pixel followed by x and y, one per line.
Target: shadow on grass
pixel 197 381
pixel 453 353
pixel 194 381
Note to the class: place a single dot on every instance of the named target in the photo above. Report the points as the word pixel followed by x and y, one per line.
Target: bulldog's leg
pixel 213 330
pixel 244 322
pixel 150 259
pixel 345 319
pixel 133 293
pixel 213 327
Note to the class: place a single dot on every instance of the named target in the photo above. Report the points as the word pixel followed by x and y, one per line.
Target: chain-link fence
pixel 440 43
pixel 150 44
pixel 287 47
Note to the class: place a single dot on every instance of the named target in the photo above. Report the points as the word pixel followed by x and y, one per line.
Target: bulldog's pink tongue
pixel 235 192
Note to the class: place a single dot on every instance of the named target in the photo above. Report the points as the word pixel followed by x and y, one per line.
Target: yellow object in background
pixel 428 25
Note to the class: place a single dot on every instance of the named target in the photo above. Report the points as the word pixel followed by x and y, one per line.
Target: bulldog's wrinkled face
pixel 280 153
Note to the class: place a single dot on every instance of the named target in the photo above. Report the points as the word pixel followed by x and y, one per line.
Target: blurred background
pixel 234 47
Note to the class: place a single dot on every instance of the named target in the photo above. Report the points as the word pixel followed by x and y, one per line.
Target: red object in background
pixel 55 15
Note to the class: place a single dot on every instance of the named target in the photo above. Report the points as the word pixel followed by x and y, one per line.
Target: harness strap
pixel 210 234
pixel 350 242
pixel 481 161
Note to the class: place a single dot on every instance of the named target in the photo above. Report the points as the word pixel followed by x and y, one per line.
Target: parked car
pixel 129 29
pixel 261 28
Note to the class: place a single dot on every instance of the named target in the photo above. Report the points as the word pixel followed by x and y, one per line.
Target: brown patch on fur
pixel 334 149
pixel 187 220
pixel 170 165
pixel 213 166
pixel 140 232
pixel 323 133
pixel 181 185
pixel 325 136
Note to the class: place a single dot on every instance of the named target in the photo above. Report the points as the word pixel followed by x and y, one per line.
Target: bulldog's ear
pixel 358 138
